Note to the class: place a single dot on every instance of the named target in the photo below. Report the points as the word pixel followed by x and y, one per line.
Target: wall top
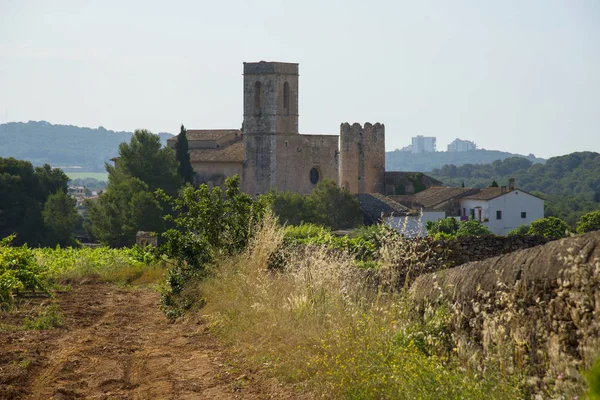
pixel 270 67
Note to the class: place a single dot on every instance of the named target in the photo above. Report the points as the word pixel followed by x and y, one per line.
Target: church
pixel 269 152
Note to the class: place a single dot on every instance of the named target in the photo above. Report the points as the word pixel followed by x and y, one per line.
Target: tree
pixel 126 208
pixel 186 172
pixel 328 205
pixel 589 222
pixel 143 158
pixel 60 218
pixel 549 227
pixel 494 184
pixel 24 191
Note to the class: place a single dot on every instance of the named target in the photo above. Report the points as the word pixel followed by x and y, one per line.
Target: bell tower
pixel 270 112
pixel 270 98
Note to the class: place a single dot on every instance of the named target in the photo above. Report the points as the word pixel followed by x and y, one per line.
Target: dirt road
pixel 117 344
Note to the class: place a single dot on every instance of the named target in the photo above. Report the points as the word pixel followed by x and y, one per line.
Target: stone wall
pixel 362 158
pixel 471 248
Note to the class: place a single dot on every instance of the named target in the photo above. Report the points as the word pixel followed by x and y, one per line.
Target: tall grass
pixel 320 324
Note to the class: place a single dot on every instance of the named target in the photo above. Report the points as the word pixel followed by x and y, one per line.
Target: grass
pixel 50 317
pixel 101 176
pixel 320 325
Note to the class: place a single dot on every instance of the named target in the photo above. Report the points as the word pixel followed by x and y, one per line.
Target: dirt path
pixel 117 344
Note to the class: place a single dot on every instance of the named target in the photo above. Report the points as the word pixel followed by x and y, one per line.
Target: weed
pixel 49 318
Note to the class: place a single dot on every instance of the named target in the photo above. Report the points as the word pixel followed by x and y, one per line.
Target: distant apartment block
pixel 461 145
pixel 423 144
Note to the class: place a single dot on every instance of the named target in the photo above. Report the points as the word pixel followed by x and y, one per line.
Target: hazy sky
pixel 520 76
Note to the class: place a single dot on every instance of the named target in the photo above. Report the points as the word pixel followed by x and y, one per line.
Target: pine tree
pixel 185 167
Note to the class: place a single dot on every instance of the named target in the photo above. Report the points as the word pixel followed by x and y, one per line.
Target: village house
pixel 501 209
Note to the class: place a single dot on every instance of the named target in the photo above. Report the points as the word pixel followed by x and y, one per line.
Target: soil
pixel 116 343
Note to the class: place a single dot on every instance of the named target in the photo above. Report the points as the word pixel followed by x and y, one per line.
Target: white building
pixel 502 209
pixel 461 145
pixel 423 144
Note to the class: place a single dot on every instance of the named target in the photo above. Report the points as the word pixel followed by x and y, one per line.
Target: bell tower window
pixel 286 98
pixel 257 97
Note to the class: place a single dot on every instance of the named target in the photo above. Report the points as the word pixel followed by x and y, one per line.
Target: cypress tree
pixel 185 167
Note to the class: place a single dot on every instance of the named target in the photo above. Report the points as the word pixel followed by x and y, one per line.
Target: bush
pixel 328 205
pixel 549 227
pixel 473 228
pixel 589 222
pixel 447 225
pixel 209 223
pixel 519 231
pixel 18 271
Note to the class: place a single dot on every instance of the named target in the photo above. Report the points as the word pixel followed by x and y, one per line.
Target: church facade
pixel 271 153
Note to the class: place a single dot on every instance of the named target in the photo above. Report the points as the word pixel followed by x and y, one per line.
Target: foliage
pixel 332 331
pixel 589 222
pixel 144 159
pixel 520 230
pixel 25 192
pixel 208 223
pixel 186 172
pixel 328 205
pixel 48 318
pixel 593 379
pixel 64 145
pixel 549 227
pixel 128 205
pixel 417 181
pixel 126 266
pixel 18 271
pixel 60 217
pixel 473 228
pixel 447 226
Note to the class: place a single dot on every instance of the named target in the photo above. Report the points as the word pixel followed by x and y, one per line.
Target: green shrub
pixel 549 227
pixel 447 225
pixel 520 230
pixel 473 228
pixel 589 222
pixel 18 271
pixel 593 380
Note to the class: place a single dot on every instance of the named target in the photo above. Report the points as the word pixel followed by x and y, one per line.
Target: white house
pixel 502 209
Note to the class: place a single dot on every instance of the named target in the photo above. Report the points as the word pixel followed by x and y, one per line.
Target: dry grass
pixel 320 324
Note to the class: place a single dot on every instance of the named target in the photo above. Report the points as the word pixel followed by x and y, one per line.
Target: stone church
pixel 271 153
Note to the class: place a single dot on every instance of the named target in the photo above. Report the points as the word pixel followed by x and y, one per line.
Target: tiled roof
pixel 487 193
pixel 231 153
pixel 208 134
pixel 435 196
pixel 374 205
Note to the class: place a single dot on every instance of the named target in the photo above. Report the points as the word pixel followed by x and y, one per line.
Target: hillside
pixel 62 145
pixel 424 162
pixel 570 183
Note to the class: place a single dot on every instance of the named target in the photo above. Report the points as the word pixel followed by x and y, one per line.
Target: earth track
pixel 117 344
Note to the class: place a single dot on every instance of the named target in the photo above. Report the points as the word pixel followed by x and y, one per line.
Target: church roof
pixel 231 153
pixel 208 134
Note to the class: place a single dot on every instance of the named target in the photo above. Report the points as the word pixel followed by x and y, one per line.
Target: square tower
pixel 270 98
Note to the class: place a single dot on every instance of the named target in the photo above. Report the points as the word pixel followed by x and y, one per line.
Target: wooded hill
pixel 424 162
pixel 570 183
pixel 62 145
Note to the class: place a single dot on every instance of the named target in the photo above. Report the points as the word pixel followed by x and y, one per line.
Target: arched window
pixel 257 97
pixel 286 97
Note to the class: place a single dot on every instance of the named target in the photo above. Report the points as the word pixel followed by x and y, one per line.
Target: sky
pixel 520 76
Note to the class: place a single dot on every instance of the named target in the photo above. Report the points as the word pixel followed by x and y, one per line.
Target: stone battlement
pixel 268 67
